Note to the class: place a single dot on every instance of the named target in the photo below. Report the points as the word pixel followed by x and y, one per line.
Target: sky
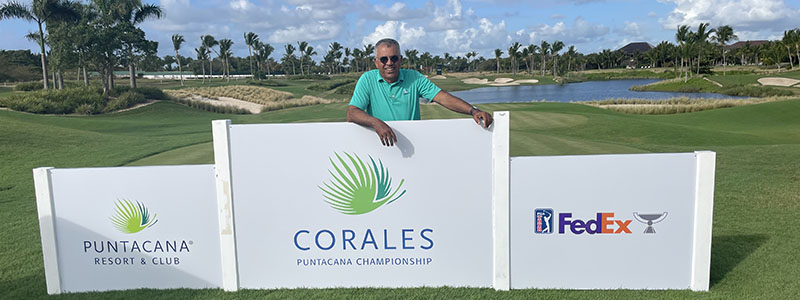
pixel 446 26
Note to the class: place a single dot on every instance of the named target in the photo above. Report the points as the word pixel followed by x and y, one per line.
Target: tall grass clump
pixel 220 109
pixel 148 92
pixel 305 101
pixel 255 94
pixel 755 91
pixel 673 105
pixel 309 76
pixel 127 99
pixel 345 90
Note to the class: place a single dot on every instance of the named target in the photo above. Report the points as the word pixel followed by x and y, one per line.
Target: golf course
pixel 757 193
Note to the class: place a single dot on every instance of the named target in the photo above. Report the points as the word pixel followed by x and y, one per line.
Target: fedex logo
pixel 603 224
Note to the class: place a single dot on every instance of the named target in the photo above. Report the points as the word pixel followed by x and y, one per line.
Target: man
pixel 390 94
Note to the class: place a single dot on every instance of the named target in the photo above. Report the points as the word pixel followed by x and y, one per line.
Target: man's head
pixel 388 59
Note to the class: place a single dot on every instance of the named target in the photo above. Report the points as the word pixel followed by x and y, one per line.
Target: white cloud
pixel 241 5
pixel 631 29
pixel 447 17
pixel 747 15
pixel 312 31
pixel 397 11
pixel 407 36
pixel 580 31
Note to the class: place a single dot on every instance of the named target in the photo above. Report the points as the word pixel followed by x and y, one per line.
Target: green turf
pixel 757 199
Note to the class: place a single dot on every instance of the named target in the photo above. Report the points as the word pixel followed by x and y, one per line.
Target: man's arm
pixel 385 133
pixel 460 106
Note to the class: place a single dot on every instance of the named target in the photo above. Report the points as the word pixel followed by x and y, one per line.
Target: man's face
pixel 388 68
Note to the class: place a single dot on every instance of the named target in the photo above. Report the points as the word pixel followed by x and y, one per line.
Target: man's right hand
pixel 385 133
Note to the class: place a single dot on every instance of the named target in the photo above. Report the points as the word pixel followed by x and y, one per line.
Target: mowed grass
pixel 757 197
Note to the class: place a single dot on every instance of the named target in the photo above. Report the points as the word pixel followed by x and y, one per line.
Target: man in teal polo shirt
pixel 391 94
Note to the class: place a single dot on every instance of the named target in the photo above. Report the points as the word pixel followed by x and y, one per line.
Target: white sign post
pixel 128 228
pixel 326 205
pixel 638 221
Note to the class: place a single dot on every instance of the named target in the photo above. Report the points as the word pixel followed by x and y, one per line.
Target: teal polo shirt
pixel 392 101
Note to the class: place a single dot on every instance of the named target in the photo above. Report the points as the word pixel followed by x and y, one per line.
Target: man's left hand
pixel 483 118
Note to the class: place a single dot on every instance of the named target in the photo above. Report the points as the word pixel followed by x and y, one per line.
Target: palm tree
pixel 544 48
pixel 411 58
pixel 682 37
pixel 308 53
pixel 289 55
pixel 724 34
pixel 301 46
pixel 497 54
pixel 369 49
pixel 209 42
pixel 177 40
pixel 571 53
pixel 513 53
pixel 202 56
pixel 475 57
pixel 264 50
pixel 555 48
pixel 336 49
pixel 787 41
pixel 250 38
pixel 356 56
pixel 41 11
pixel 224 53
pixel 531 52
pixel 131 13
pixel 701 40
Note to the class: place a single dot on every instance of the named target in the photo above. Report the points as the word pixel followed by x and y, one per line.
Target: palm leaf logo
pixel 358 188
pixel 132 218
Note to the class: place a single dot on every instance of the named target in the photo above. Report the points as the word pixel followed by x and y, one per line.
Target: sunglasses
pixel 385 59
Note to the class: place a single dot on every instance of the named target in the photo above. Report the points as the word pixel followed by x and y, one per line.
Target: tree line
pixel 104 35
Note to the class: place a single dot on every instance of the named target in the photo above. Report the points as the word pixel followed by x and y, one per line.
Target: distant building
pixel 740 44
pixel 641 47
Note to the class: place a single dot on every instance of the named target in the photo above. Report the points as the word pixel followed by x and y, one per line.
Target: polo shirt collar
pixel 400 78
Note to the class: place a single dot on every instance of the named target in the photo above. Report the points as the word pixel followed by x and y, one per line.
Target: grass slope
pixel 757 197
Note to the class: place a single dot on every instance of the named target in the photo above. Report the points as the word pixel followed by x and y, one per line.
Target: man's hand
pixel 482 118
pixel 385 133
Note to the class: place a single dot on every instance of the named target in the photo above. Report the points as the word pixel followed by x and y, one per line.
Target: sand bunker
pixel 778 81
pixel 439 77
pixel 498 81
pixel 528 81
pixel 475 81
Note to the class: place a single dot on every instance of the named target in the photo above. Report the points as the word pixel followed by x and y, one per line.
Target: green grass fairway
pixel 756 241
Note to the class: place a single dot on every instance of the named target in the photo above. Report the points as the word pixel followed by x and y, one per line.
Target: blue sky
pixel 453 26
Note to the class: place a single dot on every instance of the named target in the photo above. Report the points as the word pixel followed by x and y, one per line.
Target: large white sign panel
pixel 129 228
pixel 326 205
pixel 608 221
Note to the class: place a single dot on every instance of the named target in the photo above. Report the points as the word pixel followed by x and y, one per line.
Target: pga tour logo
pixel 603 223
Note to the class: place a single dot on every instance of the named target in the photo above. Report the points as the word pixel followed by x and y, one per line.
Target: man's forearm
pixel 452 102
pixel 358 116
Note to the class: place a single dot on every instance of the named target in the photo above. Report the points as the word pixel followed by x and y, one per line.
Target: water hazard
pixel 582 91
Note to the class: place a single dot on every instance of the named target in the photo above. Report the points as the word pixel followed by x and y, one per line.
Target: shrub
pixel 755 91
pixel 265 83
pixel 87 109
pixel 54 101
pixel 310 76
pixel 329 85
pixel 125 100
pixel 345 90
pixel 29 86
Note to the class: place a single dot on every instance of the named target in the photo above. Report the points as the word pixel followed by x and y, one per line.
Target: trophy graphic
pixel 650 219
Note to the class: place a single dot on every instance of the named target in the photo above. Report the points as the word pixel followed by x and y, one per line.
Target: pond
pixel 582 91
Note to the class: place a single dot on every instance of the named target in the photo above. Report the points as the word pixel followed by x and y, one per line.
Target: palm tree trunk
pixel 227 69
pixel 790 57
pixel 85 78
pixel 60 80
pixel 44 57
pixel 132 74
pixel 724 63
pixel 211 69
pixel 250 49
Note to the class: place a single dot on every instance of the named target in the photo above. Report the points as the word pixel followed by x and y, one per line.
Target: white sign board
pixel 326 205
pixel 128 228
pixel 611 221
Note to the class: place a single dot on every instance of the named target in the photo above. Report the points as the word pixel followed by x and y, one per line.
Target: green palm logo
pixel 132 218
pixel 357 188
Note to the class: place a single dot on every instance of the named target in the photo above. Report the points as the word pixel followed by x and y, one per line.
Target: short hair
pixel 388 42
